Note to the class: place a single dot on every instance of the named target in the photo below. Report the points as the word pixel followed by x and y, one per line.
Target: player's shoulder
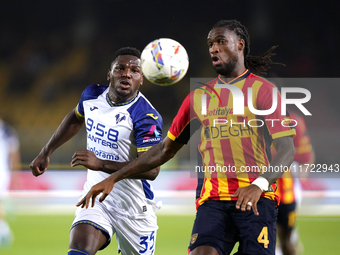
pixel 209 84
pixel 262 86
pixel 261 79
pixel 142 103
pixel 204 87
pixel 142 108
pixel 93 91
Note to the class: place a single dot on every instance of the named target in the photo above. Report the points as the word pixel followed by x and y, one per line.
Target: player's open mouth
pixel 215 60
pixel 125 84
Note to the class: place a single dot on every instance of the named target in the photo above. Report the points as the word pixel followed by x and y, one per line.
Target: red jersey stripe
pixel 231 140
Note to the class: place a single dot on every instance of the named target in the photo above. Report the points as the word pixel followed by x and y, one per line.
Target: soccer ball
pixel 164 62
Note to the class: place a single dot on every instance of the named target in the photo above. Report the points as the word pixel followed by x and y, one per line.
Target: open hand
pixel 103 187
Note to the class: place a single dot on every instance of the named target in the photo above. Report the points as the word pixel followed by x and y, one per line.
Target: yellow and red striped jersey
pixel 240 143
pixel 303 154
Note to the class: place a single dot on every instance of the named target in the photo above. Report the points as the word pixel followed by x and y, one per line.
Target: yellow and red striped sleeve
pixel 184 123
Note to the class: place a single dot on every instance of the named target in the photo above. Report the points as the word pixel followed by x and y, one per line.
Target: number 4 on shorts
pixel 263 237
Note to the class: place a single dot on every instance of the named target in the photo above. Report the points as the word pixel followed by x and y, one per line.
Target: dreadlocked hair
pixel 256 64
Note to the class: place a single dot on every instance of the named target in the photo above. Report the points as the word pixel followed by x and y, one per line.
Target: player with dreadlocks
pixel 256 64
pixel 237 203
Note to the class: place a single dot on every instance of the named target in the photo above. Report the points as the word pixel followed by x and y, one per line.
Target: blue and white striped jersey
pixel 118 132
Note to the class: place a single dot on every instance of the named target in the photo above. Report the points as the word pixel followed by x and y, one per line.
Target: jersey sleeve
pixel 90 92
pixel 147 125
pixel 184 124
pixel 278 125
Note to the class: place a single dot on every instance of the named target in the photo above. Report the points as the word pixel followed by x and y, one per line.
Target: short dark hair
pixel 256 64
pixel 126 51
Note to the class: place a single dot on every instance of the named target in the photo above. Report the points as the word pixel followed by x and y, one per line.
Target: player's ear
pixel 142 79
pixel 108 75
pixel 240 45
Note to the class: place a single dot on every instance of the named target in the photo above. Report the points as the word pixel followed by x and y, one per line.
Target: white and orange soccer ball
pixel 164 62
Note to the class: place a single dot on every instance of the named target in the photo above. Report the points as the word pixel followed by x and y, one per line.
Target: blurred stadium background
pixel 51 50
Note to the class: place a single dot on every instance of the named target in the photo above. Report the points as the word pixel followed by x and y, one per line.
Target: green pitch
pixel 48 235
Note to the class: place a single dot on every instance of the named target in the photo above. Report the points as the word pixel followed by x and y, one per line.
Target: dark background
pixel 51 50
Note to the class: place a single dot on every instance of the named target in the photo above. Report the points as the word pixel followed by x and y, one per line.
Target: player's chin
pixel 124 92
pixel 218 68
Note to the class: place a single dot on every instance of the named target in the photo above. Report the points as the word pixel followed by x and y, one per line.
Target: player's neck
pixel 118 99
pixel 237 71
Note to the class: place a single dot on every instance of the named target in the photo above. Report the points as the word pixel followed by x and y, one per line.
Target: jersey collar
pixel 235 80
pixel 120 104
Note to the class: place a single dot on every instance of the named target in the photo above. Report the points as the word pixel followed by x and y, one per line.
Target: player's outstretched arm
pixel 70 126
pixel 252 193
pixel 153 158
pixel 89 160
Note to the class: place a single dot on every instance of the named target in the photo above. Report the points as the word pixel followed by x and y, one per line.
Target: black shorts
pixel 286 216
pixel 220 225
